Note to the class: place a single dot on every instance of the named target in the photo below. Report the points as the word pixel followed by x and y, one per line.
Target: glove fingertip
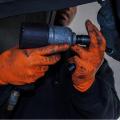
pixel 55 58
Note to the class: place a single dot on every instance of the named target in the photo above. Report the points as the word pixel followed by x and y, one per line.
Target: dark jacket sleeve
pixel 5 91
pixel 101 100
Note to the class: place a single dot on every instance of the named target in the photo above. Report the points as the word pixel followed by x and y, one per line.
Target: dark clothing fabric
pixel 107 19
pixel 55 97
pixel 17 7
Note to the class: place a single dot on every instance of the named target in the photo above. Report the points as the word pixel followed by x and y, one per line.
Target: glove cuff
pixel 84 85
pixel 2 83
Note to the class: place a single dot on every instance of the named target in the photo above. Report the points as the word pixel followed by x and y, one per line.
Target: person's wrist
pixel 84 84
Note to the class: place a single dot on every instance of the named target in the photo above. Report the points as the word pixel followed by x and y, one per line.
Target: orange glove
pixel 88 60
pixel 20 67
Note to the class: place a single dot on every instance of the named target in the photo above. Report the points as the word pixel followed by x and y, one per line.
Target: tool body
pixel 36 35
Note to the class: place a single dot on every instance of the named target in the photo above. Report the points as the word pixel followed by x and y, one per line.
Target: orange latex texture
pixel 20 67
pixel 88 60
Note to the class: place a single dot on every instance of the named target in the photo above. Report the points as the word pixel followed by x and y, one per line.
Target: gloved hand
pixel 88 60
pixel 20 67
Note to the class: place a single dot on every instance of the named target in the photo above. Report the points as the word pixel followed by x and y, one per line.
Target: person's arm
pixel 94 94
pixel 100 100
pixel 23 67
